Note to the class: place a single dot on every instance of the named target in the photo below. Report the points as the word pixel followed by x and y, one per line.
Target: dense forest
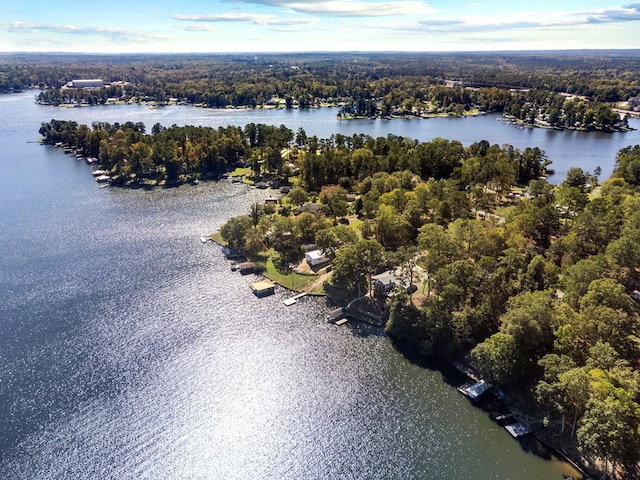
pixel 560 90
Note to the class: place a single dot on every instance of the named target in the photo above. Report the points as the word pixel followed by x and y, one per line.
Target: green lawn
pixel 292 281
pixel 239 172
pixel 216 237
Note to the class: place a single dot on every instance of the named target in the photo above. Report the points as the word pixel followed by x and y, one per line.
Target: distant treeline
pixel 371 84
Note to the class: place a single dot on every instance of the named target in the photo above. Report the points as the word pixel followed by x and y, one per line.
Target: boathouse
pixel 263 288
pixel 231 253
pixel 246 267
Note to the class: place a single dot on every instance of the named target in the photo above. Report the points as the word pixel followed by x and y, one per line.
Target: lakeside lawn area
pixel 216 237
pixel 293 281
pixel 297 282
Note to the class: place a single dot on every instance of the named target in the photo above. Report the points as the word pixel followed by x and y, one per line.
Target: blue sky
pixel 318 25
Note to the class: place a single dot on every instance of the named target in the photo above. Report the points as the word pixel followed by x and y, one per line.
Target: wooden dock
pixel 293 300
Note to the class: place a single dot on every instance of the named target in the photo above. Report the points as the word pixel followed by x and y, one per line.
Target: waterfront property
pixel 384 282
pixel 231 253
pixel 315 257
pixel 126 373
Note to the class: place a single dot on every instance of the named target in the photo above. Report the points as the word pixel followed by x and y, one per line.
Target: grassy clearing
pixel 293 281
pixel 216 237
pixel 504 210
pixel 239 172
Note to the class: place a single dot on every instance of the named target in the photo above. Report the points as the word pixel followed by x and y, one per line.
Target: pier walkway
pixel 293 300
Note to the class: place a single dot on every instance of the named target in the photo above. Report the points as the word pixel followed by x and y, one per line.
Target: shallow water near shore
pixel 128 348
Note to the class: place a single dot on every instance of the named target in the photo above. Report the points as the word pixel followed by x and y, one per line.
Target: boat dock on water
pixel 263 288
pixel 293 300
pixel 518 429
pixel 504 417
pixel 476 390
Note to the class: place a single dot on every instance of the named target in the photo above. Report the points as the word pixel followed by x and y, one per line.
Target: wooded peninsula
pixel 536 284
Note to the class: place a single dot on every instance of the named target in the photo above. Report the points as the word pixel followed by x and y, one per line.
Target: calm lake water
pixel 129 350
pixel 566 149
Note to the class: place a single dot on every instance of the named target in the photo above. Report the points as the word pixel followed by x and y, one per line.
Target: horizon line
pixel 325 52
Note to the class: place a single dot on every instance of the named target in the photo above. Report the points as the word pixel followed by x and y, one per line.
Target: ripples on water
pixel 129 350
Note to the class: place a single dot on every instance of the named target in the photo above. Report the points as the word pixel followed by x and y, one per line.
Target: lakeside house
pixel 385 282
pixel 316 257
pixel 314 208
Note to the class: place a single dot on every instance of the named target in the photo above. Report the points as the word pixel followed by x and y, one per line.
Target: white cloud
pixel 119 35
pixel 626 13
pixel 351 8
pixel 255 18
pixel 199 28
pixel 496 23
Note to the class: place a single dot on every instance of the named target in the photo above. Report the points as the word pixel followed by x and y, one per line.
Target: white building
pixel 315 257
pixel 90 83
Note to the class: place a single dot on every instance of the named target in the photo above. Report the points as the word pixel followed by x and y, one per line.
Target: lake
pixel 566 149
pixel 129 350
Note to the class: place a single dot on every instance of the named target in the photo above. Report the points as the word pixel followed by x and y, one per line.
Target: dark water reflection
pixel 129 350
